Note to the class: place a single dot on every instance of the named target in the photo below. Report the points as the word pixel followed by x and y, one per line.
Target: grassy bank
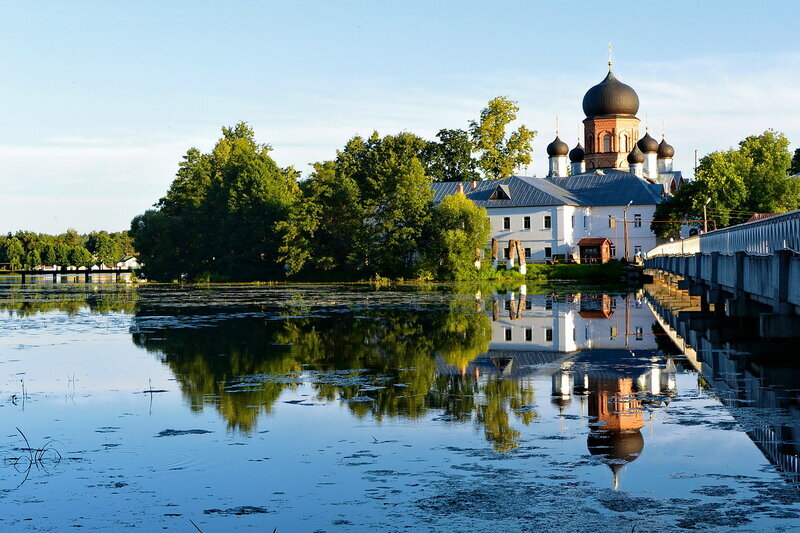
pixel 610 271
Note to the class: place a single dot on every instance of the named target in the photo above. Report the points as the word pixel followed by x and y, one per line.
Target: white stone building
pixel 612 181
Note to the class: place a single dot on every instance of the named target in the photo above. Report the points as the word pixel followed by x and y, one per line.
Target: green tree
pixel 736 183
pixel 103 247
pixel 32 259
pixel 457 233
pixel 500 154
pixel 795 168
pixel 62 254
pixel 13 254
pixel 49 254
pixel 220 214
pixel 450 159
pixel 79 256
pixel 364 212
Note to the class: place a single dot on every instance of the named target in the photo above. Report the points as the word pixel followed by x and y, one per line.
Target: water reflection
pixel 757 380
pixel 471 360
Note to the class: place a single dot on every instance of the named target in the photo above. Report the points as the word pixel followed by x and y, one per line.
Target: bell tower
pixel 610 128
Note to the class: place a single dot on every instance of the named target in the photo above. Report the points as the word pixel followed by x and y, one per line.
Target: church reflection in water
pixel 480 356
pixel 602 351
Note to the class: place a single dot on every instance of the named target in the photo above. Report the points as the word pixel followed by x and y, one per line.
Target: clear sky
pixel 99 100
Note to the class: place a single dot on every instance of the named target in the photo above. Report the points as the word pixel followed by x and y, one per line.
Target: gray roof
pixel 596 188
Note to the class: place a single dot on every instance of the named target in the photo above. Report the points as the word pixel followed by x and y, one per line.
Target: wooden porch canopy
pixel 594 250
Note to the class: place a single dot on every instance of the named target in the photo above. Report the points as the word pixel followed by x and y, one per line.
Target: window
pixel 505 253
pixel 585 221
pixel 548 302
pixel 623 143
pixel 607 143
pixel 529 334
pixel 612 222
pixel 526 223
pixel 507 333
pixel 637 250
pixel 506 223
pixel 639 334
pixel 548 252
pixel 574 335
pixel 586 333
pixel 527 253
pixel 612 332
pixel 528 305
pixel 572 221
pixel 612 251
pixel 548 222
pixel 637 220
pixel 548 335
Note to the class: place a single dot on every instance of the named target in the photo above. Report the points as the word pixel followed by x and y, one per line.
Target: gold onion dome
pixel 665 150
pixel 610 97
pixel 577 154
pixel 557 148
pixel 636 156
pixel 647 144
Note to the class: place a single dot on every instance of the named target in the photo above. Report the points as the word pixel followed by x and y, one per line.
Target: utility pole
pixel 705 216
pixel 625 228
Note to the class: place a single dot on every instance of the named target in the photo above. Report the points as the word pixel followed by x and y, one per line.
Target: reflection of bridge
pixel 55 274
pixel 742 268
pixel 762 381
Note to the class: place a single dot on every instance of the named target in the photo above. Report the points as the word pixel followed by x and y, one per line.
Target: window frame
pixel 548 222
pixel 506 223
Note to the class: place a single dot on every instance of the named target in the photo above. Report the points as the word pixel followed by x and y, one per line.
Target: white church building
pixel 611 185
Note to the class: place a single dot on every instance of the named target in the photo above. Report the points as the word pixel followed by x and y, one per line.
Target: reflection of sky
pixel 309 466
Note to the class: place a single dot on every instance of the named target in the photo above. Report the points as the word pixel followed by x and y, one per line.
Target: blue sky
pixel 99 100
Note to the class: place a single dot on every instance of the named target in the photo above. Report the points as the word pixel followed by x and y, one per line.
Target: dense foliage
pixel 736 183
pixel 457 232
pixel 26 249
pixel 219 217
pixel 500 154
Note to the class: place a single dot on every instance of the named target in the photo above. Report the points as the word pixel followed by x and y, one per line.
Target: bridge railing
pixel 762 237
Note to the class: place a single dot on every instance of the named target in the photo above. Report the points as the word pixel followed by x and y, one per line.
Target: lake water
pixel 405 408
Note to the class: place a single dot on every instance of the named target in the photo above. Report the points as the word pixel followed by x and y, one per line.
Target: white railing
pixel 762 237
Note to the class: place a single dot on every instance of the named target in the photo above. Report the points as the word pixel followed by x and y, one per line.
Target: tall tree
pixel 219 216
pixel 13 254
pixel 457 231
pixel 736 183
pixel 363 212
pixel 795 168
pixel 500 154
pixel 450 159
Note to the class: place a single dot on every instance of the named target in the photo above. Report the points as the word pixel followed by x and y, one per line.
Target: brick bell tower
pixel 610 128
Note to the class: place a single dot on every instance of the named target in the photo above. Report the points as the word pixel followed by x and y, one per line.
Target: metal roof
pixel 609 187
pixel 596 188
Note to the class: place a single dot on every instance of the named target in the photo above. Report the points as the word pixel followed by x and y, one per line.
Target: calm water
pixel 346 408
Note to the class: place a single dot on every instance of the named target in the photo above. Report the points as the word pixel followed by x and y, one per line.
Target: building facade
pixel 609 189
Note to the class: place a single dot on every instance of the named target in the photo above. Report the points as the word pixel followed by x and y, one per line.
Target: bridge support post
pixel 23 278
pixel 780 280
pixel 87 277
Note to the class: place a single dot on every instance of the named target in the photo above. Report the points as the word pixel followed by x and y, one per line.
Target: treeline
pixel 735 184
pixel 235 214
pixel 27 249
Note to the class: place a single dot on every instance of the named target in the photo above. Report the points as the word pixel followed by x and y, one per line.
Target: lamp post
pixel 625 228
pixel 705 217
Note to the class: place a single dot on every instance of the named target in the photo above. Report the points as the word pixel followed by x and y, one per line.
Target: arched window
pixel 623 143
pixel 589 144
pixel 607 143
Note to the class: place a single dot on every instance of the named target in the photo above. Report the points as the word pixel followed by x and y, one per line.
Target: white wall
pixel 629 326
pixel 563 236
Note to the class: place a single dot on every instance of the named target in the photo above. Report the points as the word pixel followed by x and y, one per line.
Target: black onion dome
pixel 665 151
pixel 636 156
pixel 610 97
pixel 557 148
pixel 647 144
pixel 577 154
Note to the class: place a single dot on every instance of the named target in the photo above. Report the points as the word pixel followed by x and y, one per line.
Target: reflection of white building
pixel 568 324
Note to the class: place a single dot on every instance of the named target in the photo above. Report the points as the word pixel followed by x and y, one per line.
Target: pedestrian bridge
pixel 747 269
